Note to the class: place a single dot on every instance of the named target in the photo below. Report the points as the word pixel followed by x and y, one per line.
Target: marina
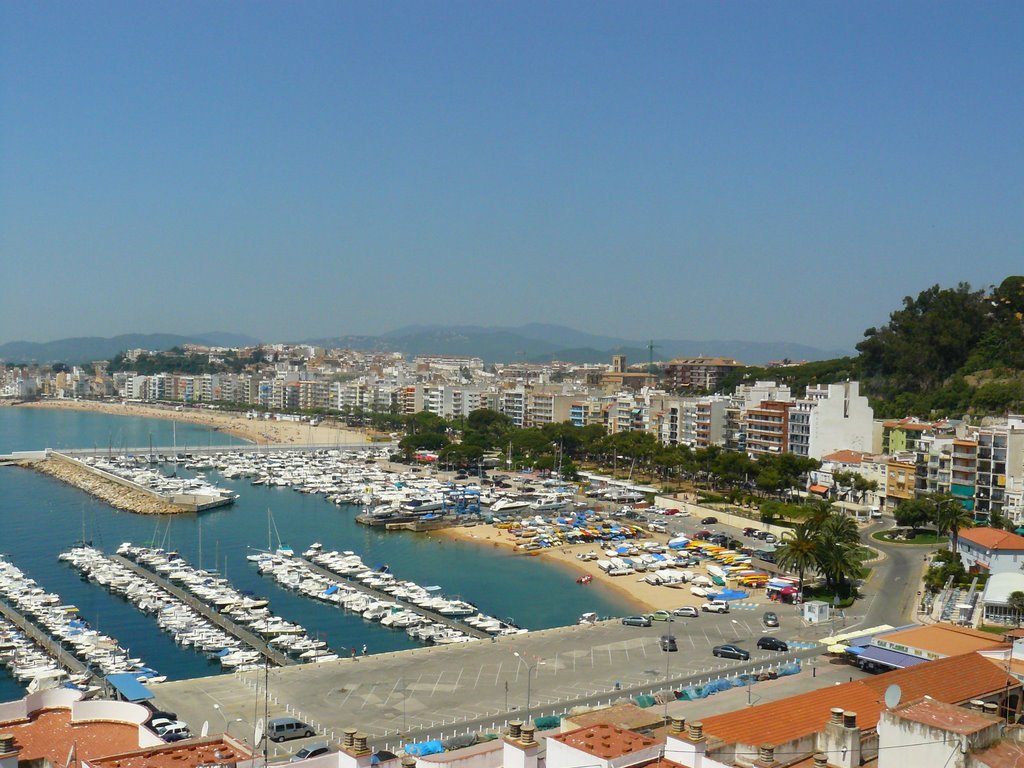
pixel 347 587
pixel 49 623
pixel 62 515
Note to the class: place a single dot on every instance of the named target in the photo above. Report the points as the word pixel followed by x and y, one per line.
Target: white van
pixel 656 528
pixel 284 728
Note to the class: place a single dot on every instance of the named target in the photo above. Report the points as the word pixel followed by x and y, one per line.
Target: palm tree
pixel 798 551
pixel 1015 602
pixel 950 516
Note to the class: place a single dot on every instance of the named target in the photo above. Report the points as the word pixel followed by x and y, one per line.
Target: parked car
pixel 661 616
pixel 671 512
pixel 719 539
pixel 770 538
pixel 310 750
pixel 284 728
pixel 770 619
pixel 636 621
pixel 730 651
pixel 703 535
pixel 715 606
pixel 668 643
pixel 687 611
pixel 769 643
pixel 749 531
pixel 709 520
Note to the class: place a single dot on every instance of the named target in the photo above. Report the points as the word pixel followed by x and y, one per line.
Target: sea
pixel 41 517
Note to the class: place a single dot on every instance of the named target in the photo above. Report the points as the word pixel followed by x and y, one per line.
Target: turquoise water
pixel 40 517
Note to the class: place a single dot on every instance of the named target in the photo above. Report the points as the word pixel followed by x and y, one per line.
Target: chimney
pixel 354 750
pixel 766 755
pixel 408 762
pixel 841 738
pixel 676 725
pixel 521 748
pixel 977 704
pixel 9 751
pixel 820 761
pixel 696 731
pixel 992 709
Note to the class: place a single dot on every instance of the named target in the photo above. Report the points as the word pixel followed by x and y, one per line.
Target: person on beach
pixel 353 653
pixel 364 649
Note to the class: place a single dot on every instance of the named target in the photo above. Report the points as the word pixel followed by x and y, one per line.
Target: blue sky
pixel 757 171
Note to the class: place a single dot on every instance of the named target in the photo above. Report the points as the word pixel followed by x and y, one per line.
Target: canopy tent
pixel 888 658
pixel 128 688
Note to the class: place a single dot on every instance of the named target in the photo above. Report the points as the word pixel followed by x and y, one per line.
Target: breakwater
pixel 115 494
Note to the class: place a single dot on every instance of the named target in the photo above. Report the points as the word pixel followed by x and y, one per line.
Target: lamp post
pixel 668 658
pixel 529 678
pixel 227 723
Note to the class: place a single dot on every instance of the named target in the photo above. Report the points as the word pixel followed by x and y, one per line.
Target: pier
pixel 247 637
pixel 62 656
pixel 378 594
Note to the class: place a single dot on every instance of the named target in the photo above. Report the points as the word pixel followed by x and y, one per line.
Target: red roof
pixel 993 538
pixel 604 740
pixel 844 457
pixel 953 680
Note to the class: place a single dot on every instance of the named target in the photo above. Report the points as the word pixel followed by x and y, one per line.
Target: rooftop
pixel 213 750
pixel 1003 754
pixel 49 734
pixel 626 715
pixel 605 741
pixel 944 639
pixel 947 717
pixel 993 538
pixel 844 457
pixel 954 680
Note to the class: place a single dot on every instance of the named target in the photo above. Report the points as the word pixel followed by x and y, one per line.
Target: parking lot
pixel 442 690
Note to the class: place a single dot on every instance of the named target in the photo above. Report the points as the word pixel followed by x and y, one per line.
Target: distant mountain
pixel 87 348
pixel 539 342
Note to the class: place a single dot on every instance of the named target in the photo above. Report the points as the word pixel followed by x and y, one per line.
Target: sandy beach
pixel 255 430
pixel 647 597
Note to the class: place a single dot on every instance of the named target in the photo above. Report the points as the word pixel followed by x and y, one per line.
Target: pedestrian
pixel 353 653
pixel 364 649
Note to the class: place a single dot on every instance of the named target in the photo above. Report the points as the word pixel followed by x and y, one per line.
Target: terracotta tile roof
pixel 211 750
pixel 954 680
pixel 844 457
pixel 49 734
pixel 948 717
pixel 993 538
pixel 945 639
pixel 605 741
pixel 1004 754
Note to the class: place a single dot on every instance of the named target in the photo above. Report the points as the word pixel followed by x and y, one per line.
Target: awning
pixel 890 658
pixel 128 687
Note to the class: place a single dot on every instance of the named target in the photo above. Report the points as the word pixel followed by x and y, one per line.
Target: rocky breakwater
pixel 119 496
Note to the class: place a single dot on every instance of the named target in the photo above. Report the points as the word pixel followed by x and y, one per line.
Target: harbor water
pixel 41 517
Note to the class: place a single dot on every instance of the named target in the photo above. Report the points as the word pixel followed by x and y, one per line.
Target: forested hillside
pixel 948 352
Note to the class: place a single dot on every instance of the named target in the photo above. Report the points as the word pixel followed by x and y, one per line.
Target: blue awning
pixel 128 687
pixel 890 658
pixel 856 650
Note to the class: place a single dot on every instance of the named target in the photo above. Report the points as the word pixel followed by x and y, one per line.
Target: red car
pixel 702 535
pixel 671 512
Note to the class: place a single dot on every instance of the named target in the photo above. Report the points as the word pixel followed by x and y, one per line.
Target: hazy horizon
pixel 784 172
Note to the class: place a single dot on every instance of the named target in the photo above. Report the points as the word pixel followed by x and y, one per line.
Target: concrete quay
pixel 247 637
pixel 360 587
pixel 440 691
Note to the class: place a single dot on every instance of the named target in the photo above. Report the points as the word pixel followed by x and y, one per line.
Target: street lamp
pixel 668 657
pixel 529 676
pixel 227 723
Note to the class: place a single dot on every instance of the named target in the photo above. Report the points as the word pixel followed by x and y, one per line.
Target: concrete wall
pixel 726 518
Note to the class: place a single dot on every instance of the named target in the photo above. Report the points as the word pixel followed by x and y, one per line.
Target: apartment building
pixel 963 474
pixel 699 374
pixel 766 427
pixel 548 408
pixel 900 479
pixel 512 402
pixel 710 421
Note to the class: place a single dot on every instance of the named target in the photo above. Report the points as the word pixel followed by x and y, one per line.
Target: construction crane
pixel 651 346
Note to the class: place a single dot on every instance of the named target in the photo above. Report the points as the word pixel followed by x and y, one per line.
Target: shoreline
pixel 646 597
pixel 255 431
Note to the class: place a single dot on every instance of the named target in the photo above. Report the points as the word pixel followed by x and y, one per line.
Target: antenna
pixel 258 733
pixel 206 728
pixel 651 346
pixel 892 696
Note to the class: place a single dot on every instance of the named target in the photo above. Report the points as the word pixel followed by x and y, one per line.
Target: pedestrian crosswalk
pixel 743 606
pixel 800 645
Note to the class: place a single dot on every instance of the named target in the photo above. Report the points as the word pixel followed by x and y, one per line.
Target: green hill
pixel 948 352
